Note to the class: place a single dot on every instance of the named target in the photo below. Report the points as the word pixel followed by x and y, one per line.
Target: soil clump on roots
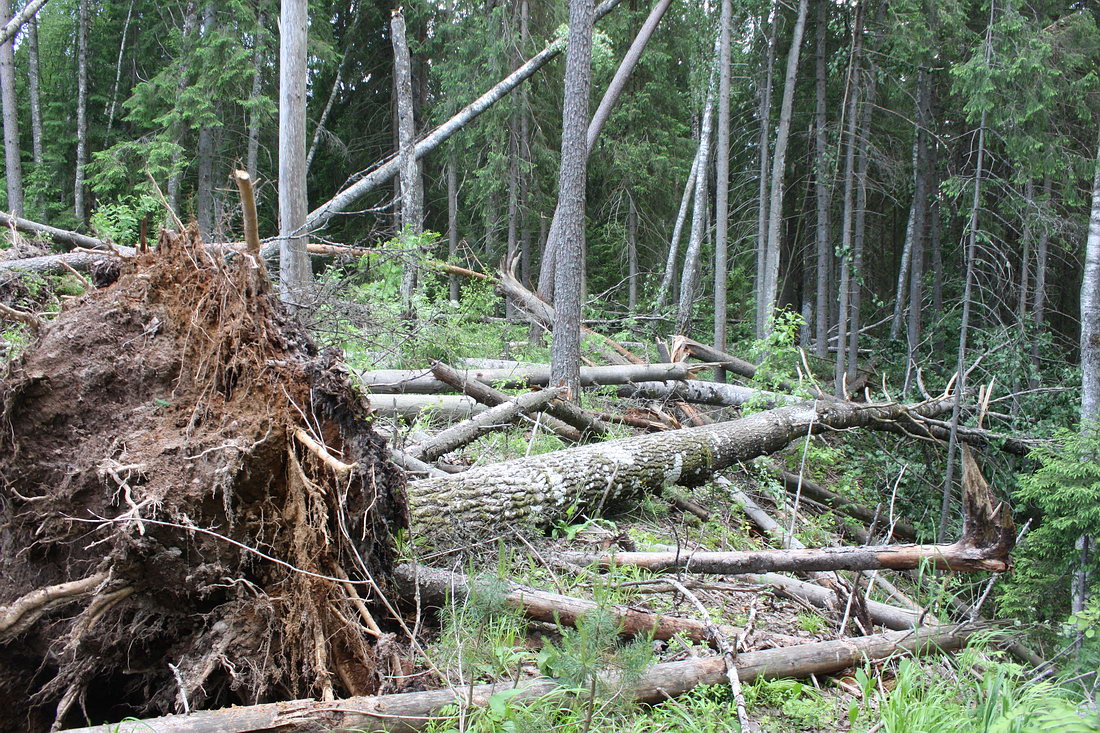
pixel 194 509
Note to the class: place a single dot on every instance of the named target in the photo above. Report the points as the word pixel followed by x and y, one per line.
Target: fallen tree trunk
pixel 422 381
pixel 566 419
pixel 412 711
pixel 436 587
pixel 883 614
pixel 704 393
pixel 541 488
pixel 987 539
pixel 410 406
pixel 62 236
pixel 491 419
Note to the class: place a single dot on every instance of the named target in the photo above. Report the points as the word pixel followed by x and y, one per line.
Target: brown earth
pixel 147 447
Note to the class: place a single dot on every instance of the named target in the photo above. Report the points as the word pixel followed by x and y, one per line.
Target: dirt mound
pixel 184 483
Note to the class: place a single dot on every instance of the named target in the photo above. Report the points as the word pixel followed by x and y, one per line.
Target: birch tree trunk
pixel 764 113
pixel 294 270
pixel 569 273
pixel 81 109
pixel 722 182
pixel 412 214
pixel 821 186
pixel 779 164
pixel 13 167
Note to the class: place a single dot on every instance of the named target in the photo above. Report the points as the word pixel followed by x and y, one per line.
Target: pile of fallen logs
pixel 451 505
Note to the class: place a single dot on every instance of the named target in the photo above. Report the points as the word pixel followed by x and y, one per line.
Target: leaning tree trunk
pixel 540 489
pixel 665 286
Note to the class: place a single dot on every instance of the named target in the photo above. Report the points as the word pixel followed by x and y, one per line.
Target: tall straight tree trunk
pixel 1038 310
pixel 779 164
pixel 294 271
pixel 599 118
pixel 856 279
pixel 632 253
pixel 36 108
pixel 253 153
pixel 1026 238
pixel 690 273
pixel 722 181
pixel 764 113
pixel 967 300
pixel 113 105
pixel 821 186
pixel 848 213
pixel 190 23
pixel 81 108
pixel 412 215
pixel 525 150
pixel 205 153
pixel 514 174
pixel 935 240
pixel 13 167
pixel 920 218
pixel 568 278
pixel 665 286
pixel 452 223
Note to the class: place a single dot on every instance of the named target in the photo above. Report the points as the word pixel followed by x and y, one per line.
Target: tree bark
pixel 204 208
pixel 779 162
pixel 253 151
pixel 1038 311
pixel 632 254
pixel 81 109
pixel 420 381
pixel 764 113
pixel 569 269
pixel 470 430
pixel 856 282
pixel 540 488
pixel 294 269
pixel 33 91
pixel 13 166
pixel 704 393
pixel 722 187
pixel 384 172
pixel 411 711
pixel 452 224
pixel 411 406
pixel 921 176
pixel 821 186
pixel 848 213
pixel 412 213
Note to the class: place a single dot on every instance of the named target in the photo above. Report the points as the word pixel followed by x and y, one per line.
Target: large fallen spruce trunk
pixel 435 587
pixel 540 489
pixel 705 393
pixel 422 381
pixel 413 711
pixel 172 525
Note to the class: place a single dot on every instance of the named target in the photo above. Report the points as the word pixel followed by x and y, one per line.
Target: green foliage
pixel 786 705
pixel 120 221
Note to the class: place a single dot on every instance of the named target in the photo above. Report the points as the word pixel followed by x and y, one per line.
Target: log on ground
pixel 413 711
pixel 539 489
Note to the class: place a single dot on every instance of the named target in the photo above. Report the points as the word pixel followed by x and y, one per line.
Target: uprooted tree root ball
pixel 194 510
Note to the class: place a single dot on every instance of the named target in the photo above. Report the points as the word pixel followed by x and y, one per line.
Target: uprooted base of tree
pixel 152 434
